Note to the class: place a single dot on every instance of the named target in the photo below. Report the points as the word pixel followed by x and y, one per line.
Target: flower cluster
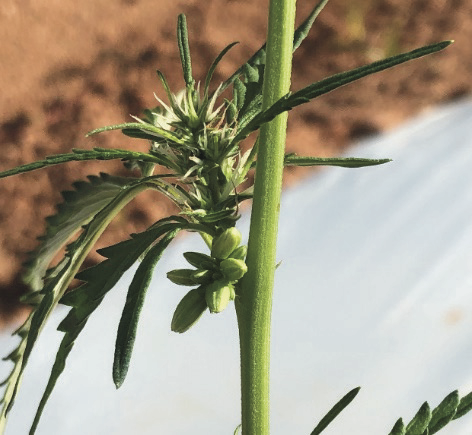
pixel 216 276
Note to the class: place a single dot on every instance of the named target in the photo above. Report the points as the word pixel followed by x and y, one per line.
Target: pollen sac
pixel 200 261
pixel 239 253
pixel 189 310
pixel 182 276
pixel 233 269
pixel 217 295
pixel 226 243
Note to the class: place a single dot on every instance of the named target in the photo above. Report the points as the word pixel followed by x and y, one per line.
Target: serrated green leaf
pixel 184 50
pixel 15 375
pixel 426 422
pixel 444 412
pixel 238 429
pixel 78 208
pixel 329 84
pixel 134 303
pixel 398 428
pixel 55 287
pixel 258 58
pixel 98 281
pixel 345 162
pixel 335 411
pixel 420 421
pixel 464 407
pixel 80 155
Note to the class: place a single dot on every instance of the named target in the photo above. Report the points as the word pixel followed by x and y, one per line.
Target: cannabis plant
pixel 196 137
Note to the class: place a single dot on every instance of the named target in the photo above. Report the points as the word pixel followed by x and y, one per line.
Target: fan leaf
pixel 464 407
pixel 398 428
pixel 426 422
pixel 78 208
pixel 329 84
pixel 98 281
pixel 444 412
pixel 80 155
pixel 345 162
pixel 420 421
pixel 58 283
pixel 132 309
pixel 15 375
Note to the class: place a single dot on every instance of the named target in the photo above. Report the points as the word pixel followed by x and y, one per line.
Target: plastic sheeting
pixel 374 289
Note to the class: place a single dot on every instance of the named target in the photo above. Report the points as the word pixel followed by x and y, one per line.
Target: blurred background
pixel 68 67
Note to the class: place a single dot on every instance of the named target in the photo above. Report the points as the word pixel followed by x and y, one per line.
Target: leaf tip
pixel 118 375
pixel 444 44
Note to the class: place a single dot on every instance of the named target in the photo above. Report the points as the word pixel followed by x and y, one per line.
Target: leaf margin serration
pixel 85 299
pixel 78 207
pixel 56 286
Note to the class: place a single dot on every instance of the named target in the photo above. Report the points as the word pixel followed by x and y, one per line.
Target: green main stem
pixel 254 301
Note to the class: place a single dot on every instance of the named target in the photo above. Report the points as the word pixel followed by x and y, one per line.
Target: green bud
pixel 200 261
pixel 218 295
pixel 239 253
pixel 202 276
pixel 233 269
pixel 182 276
pixel 226 243
pixel 189 310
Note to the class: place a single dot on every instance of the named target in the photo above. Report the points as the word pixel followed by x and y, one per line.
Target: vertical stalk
pixel 254 302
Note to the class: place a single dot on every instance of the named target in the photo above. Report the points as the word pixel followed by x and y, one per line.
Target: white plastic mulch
pixel 374 289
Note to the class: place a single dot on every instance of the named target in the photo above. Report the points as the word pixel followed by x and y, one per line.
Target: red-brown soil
pixel 68 67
